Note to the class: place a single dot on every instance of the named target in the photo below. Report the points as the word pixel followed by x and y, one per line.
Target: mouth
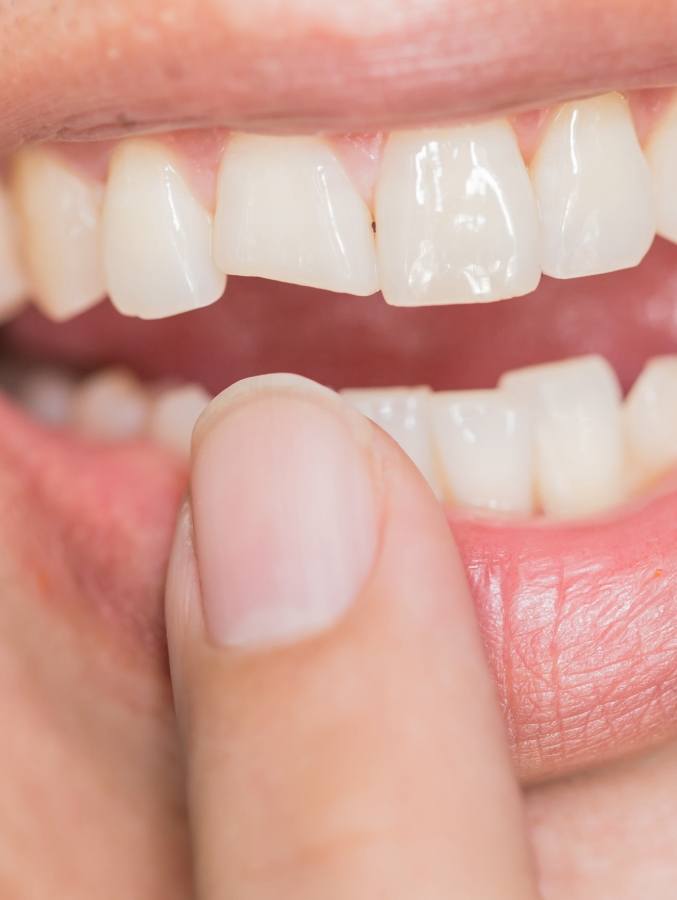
pixel 496 293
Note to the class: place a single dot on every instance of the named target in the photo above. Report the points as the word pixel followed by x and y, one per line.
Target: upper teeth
pixel 458 216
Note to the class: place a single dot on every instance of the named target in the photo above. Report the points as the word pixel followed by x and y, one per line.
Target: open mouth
pixel 546 423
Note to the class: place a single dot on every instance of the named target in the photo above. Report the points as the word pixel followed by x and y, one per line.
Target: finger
pixel 340 727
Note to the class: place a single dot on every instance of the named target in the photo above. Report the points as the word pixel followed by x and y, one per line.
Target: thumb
pixel 340 728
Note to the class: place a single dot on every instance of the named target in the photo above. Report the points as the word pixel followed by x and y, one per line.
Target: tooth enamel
pixel 156 236
pixel 110 405
pixel 59 211
pixel 484 447
pixel 404 414
pixel 286 210
pixel 48 394
pixel 456 219
pixel 173 416
pixel 593 188
pixel 661 153
pixel 13 286
pixel 650 417
pixel 576 412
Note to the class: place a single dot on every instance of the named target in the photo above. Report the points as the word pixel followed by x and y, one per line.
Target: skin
pixel 93 745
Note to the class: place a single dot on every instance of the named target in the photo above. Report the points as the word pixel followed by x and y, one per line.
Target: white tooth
pixel 60 215
pixel 484 447
pixel 650 417
pixel 286 210
pixel 661 153
pixel 576 412
pixel 593 188
pixel 456 219
pixel 110 405
pixel 13 285
pixel 157 237
pixel 48 394
pixel 405 415
pixel 173 416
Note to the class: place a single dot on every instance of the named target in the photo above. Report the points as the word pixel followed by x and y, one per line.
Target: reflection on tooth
pixel 59 211
pixel 110 405
pixel 650 418
pixel 286 210
pixel 48 394
pixel 13 287
pixel 156 236
pixel 173 416
pixel 484 446
pixel 593 188
pixel 661 153
pixel 405 415
pixel 456 218
pixel 575 407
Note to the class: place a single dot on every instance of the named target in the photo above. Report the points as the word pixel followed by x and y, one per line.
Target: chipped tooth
pixel 579 453
pixel 13 284
pixel 661 153
pixel 173 415
pixel 110 405
pixel 456 219
pixel 483 441
pixel 59 212
pixel 593 188
pixel 48 394
pixel 286 210
pixel 650 418
pixel 157 237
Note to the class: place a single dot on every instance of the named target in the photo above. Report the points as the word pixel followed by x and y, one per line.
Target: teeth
pixel 661 153
pixel 579 456
pixel 59 211
pixel 456 217
pixel 404 414
pixel 286 210
pixel 13 286
pixel 484 445
pixel 48 394
pixel 651 418
pixel 110 405
pixel 156 236
pixel 173 416
pixel 593 188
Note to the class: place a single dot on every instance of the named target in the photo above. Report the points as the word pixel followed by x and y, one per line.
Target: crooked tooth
pixel 593 188
pixel 13 285
pixel 661 153
pixel 173 415
pixel 286 210
pixel 405 415
pixel 110 405
pixel 456 219
pixel 579 453
pixel 157 237
pixel 484 447
pixel 650 418
pixel 60 216
pixel 48 394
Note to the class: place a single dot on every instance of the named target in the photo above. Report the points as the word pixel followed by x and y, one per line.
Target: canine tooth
pixel 13 286
pixel 286 210
pixel 173 415
pixel 593 188
pixel 484 447
pixel 579 453
pixel 110 405
pixel 661 153
pixel 405 415
pixel 650 417
pixel 157 237
pixel 48 394
pixel 60 216
pixel 456 219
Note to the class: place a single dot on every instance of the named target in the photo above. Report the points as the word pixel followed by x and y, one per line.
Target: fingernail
pixel 284 510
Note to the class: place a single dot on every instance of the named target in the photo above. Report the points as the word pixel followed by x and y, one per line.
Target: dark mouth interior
pixel 261 326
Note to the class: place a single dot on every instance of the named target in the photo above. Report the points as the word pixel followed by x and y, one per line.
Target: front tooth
pixel 576 411
pixel 650 418
pixel 661 153
pixel 110 405
pixel 13 286
pixel 60 215
pixel 405 415
pixel 157 237
pixel 286 210
pixel 455 217
pixel 173 416
pixel 484 446
pixel 49 394
pixel 593 188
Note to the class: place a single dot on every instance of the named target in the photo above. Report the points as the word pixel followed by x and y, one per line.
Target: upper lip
pixel 351 66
